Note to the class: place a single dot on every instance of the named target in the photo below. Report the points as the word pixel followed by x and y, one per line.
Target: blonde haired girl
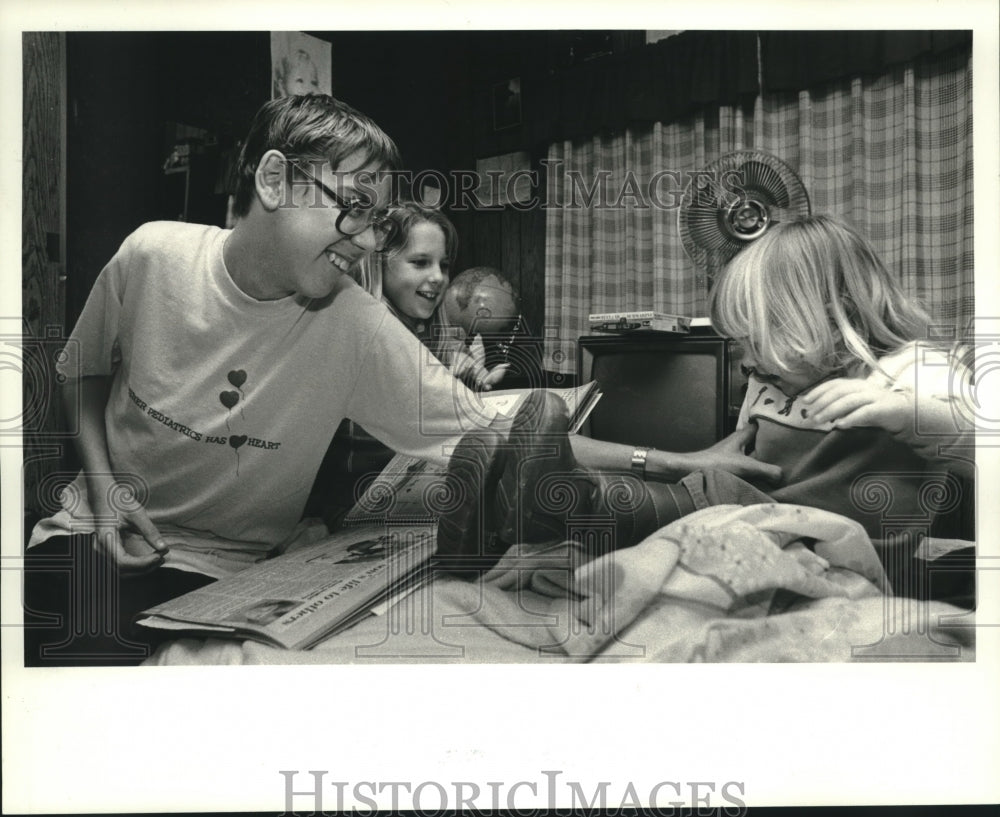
pixel 811 299
pixel 859 410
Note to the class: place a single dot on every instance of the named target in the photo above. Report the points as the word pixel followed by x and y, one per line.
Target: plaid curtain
pixel 891 154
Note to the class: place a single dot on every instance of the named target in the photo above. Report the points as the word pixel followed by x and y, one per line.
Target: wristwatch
pixel 639 461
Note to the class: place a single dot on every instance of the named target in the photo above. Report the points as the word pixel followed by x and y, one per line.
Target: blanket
pixel 768 582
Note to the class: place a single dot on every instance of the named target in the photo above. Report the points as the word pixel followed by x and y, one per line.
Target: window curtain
pixel 891 153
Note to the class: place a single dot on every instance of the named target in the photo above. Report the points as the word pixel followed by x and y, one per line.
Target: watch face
pixel 639 461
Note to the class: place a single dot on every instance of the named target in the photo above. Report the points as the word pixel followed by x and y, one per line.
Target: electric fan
pixel 735 200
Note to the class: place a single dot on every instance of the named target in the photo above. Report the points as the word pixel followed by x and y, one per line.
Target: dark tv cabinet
pixel 677 392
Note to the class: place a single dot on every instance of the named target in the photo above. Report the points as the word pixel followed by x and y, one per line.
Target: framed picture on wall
pixel 504 179
pixel 507 104
pixel 300 64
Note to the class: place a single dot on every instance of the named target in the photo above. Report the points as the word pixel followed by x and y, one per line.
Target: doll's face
pixel 301 76
pixel 415 277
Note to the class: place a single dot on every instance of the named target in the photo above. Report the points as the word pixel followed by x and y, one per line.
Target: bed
pixel 759 583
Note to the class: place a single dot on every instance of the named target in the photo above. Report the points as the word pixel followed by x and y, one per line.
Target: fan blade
pixel 762 177
pixel 702 225
pixel 708 234
pixel 711 191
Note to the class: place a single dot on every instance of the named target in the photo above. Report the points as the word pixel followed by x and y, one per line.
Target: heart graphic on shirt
pixel 229 398
pixel 237 440
pixel 768 401
pixel 237 377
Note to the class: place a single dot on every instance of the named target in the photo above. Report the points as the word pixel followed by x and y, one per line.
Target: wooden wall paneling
pixel 43 214
pixel 488 234
pixel 465 225
pixel 510 245
pixel 43 254
pixel 533 259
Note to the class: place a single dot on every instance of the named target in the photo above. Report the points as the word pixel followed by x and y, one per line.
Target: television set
pixel 672 392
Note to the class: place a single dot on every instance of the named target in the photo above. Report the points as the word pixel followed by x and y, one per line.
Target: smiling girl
pixel 410 276
pixel 416 271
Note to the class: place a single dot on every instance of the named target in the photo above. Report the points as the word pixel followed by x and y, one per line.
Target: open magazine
pixel 301 597
pixel 579 400
pixel 413 491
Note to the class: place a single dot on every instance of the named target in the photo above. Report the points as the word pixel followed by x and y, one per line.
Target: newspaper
pixel 306 595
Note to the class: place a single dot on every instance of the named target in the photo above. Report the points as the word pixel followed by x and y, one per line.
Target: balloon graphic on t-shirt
pixel 238 377
pixel 236 440
pixel 229 398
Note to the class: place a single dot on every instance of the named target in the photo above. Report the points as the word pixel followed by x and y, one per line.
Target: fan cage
pixel 734 201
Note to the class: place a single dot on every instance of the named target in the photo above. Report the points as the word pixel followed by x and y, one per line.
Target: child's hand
pixel 729 454
pixel 475 367
pixel 108 538
pixel 488 378
pixel 850 402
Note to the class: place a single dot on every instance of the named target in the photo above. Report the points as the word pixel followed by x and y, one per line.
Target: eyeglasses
pixel 356 215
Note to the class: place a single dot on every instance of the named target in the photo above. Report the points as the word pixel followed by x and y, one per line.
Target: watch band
pixel 639 462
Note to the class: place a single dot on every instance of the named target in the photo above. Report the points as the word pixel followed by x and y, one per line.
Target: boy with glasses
pixel 214 367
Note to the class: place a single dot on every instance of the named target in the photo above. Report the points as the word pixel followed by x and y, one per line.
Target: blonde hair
pixel 813 295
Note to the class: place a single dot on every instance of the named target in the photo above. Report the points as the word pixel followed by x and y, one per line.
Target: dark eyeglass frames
pixel 356 215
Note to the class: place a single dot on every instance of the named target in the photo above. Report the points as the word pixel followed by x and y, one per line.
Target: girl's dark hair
pixel 312 126
pixel 409 213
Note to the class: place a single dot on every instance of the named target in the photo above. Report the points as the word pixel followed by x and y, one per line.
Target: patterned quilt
pixel 759 583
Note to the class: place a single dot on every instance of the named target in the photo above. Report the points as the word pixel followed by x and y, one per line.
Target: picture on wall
pixel 504 179
pixel 507 104
pixel 300 64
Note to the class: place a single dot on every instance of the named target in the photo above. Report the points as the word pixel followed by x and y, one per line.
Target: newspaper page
pixel 303 596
